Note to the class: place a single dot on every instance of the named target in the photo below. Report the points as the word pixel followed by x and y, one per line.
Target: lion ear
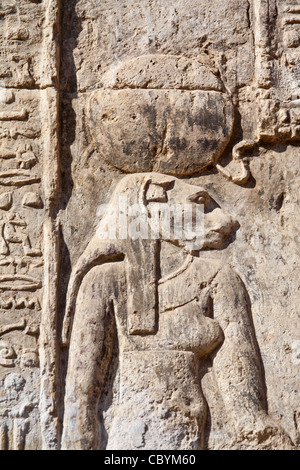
pixel 155 188
pixel 156 193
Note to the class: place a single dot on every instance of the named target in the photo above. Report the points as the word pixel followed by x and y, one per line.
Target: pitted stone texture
pixel 110 343
pixel 176 132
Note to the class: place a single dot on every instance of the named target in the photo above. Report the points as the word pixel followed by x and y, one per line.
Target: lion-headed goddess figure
pixel 141 317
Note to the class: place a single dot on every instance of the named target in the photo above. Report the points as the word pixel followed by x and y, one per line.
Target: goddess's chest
pixel 184 287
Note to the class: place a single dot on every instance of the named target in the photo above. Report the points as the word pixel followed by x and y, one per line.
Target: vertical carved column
pixel 51 182
pixel 29 191
pixel 276 35
pixel 265 14
pixel 289 70
pixel 48 338
pixel 263 10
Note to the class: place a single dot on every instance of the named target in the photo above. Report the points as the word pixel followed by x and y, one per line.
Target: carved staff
pixel 51 183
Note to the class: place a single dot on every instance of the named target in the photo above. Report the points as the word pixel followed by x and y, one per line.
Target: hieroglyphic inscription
pixel 28 116
pixel 178 95
pixel 21 257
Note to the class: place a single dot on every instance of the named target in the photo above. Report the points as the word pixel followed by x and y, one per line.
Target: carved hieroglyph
pixel 116 342
pixel 28 189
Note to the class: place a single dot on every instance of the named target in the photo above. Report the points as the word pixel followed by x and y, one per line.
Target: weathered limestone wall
pixel 149 344
pixel 29 187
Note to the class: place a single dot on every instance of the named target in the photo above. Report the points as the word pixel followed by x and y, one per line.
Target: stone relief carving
pixel 177 111
pixel 197 311
pixel 169 323
pixel 124 343
pixel 26 117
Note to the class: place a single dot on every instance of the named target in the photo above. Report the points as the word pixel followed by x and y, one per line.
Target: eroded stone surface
pixel 110 342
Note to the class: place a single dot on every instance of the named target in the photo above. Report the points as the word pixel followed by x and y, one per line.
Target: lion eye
pixel 200 200
pixel 201 197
